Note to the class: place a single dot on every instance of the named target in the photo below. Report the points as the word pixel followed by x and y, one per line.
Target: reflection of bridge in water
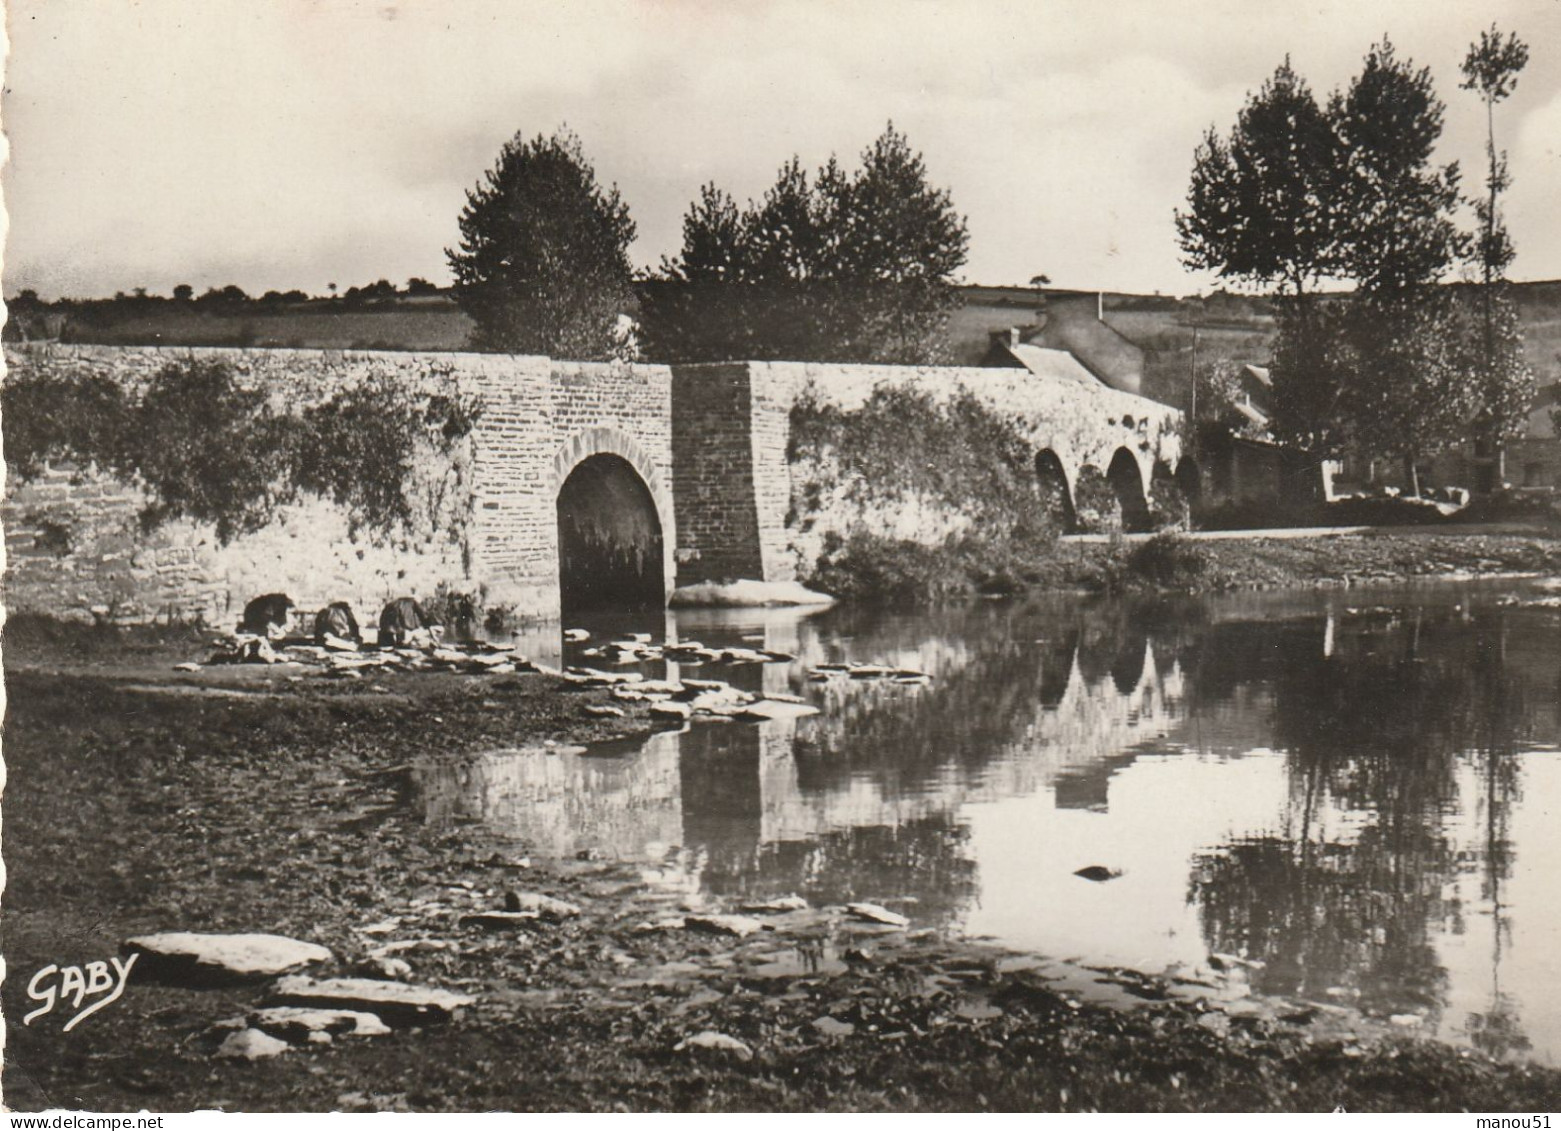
pixel 864 795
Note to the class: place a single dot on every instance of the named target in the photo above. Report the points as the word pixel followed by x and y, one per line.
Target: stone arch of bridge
pixel 1055 477
pixel 1189 477
pixel 1130 479
pixel 608 488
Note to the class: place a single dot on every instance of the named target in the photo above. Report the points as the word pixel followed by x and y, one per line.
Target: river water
pixel 1357 789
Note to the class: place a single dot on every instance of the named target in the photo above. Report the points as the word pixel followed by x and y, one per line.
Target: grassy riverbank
pixel 908 573
pixel 234 799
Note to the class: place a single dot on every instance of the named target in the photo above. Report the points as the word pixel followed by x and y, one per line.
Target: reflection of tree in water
pixel 1377 730
pixel 1501 701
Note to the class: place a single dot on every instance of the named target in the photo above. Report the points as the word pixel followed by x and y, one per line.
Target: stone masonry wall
pixel 1084 425
pixel 74 548
pixel 714 454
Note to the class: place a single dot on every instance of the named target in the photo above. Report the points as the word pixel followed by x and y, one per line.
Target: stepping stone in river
pixel 775 709
pixel 875 914
pixel 739 926
pixel 1098 873
pixel 191 959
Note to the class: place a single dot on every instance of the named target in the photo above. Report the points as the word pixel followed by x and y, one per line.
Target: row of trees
pixel 1303 195
pixel 847 266
pixel 234 295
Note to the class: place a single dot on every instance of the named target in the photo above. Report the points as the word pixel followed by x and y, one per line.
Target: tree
pixel 835 267
pixel 1298 195
pixel 1491 69
pixel 183 292
pixel 1398 232
pixel 1261 209
pixel 543 264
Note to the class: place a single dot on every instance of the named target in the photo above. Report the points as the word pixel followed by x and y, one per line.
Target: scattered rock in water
pixel 543 905
pixel 603 711
pixel 1098 873
pixel 738 926
pixel 671 710
pixel 191 959
pixel 397 1004
pixel 250 1044
pixel 576 635
pixel 830 1027
pixel 873 913
pixel 189 667
pixel 711 1041
pixel 772 906
pixel 295 1024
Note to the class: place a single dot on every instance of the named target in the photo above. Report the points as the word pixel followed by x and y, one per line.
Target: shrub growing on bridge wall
pixel 914 497
pixel 206 448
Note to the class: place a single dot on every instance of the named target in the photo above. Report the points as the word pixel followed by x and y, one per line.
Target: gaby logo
pixel 55 984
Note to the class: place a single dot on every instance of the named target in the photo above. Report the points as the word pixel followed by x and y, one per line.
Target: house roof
pixel 1058 364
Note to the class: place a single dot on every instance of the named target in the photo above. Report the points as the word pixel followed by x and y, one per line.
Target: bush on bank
pixel 207 448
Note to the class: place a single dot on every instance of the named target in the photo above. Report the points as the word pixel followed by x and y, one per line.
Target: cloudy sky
pixel 295 143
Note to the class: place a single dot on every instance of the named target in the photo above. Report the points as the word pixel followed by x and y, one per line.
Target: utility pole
pixel 1192 423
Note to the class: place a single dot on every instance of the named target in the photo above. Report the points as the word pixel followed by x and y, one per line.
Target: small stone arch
pixel 617 458
pixel 1126 475
pixel 1056 487
pixel 1189 477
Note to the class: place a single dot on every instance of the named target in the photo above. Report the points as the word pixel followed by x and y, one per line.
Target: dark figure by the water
pixel 337 620
pixel 401 618
pixel 268 615
pixel 462 611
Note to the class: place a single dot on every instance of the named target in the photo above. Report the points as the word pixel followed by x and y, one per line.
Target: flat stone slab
pixel 190 958
pixel 777 709
pixel 872 913
pixel 746 594
pixel 296 1024
pixel 738 926
pixel 397 1004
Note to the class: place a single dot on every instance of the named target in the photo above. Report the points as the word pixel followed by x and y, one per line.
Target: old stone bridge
pixel 580 481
